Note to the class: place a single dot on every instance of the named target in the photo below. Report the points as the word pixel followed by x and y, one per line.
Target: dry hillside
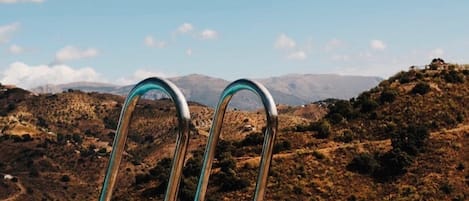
pixel 405 139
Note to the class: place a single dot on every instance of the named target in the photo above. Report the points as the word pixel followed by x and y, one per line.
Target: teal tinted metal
pixel 182 138
pixel 215 130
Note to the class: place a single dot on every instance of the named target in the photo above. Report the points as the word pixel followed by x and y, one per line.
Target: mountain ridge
pixel 290 89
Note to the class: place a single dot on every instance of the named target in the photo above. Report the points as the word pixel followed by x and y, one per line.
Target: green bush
pixel 411 139
pixel 405 77
pixel 341 108
pixel 228 163
pixel 224 146
pixel 154 192
pixel 27 137
pixel 61 138
pixel 77 138
pixel 252 139
pixel 392 163
pixel 368 105
pixel 227 176
pixel 65 178
pixel 282 146
pixel 446 188
pixel 110 123
pixel 231 182
pixel 388 95
pixel 433 66
pixel 363 163
pixel 421 88
pixel 453 77
pixel 324 129
pixel 336 118
pixel 193 165
pixel 188 188
pixel 419 75
pixel 318 155
pixel 161 170
pixel 303 128
pixel 347 136
pixel 33 172
pixel 142 178
pixel 87 152
pixel 465 72
pixel 16 138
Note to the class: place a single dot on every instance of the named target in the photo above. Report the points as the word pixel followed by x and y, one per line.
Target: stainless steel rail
pixel 269 135
pixel 182 139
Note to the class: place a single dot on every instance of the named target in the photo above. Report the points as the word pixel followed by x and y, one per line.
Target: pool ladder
pixel 182 139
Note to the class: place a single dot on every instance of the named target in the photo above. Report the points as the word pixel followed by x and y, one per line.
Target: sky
pixel 123 42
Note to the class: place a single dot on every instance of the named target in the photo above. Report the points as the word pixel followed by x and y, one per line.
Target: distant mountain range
pixel 293 89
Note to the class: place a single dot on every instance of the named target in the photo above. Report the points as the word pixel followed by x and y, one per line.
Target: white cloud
pixel 435 53
pixel 377 45
pixel 26 76
pixel 7 30
pixel 284 42
pixel 185 28
pixel 333 44
pixel 16 49
pixel 208 34
pixel 152 42
pixel 290 49
pixel 383 65
pixel 339 57
pixel 365 55
pixel 189 52
pixel 298 55
pixel 69 53
pixel 20 1
pixel 309 45
pixel 138 76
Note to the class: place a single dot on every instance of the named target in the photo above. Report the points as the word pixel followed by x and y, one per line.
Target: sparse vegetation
pixel 446 188
pixel 340 110
pixel 383 134
pixel 406 144
pixel 364 163
pixel 421 88
pixel 453 76
pixel 411 139
pixel 347 136
pixel 388 96
pixel 252 139
pixel 65 178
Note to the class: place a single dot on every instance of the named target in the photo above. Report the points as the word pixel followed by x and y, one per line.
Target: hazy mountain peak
pixel 291 89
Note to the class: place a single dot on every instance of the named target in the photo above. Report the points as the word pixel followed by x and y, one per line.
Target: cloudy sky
pixel 122 42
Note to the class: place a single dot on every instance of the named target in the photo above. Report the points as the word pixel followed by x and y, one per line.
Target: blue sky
pixel 122 42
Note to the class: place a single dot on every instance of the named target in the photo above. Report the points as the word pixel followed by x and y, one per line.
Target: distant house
pixel 438 64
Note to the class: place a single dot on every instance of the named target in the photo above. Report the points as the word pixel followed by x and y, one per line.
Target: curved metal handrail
pixel 215 130
pixel 182 139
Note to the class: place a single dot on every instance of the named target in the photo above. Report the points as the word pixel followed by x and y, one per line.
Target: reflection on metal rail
pixel 123 127
pixel 269 135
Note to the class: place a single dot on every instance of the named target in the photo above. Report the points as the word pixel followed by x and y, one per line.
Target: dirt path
pixel 336 145
pixel 17 195
pixel 461 127
pixel 331 147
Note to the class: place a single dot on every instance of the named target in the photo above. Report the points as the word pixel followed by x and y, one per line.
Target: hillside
pixel 405 139
pixel 288 89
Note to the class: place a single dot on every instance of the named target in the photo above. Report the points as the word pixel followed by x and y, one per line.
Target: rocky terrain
pixel 405 139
